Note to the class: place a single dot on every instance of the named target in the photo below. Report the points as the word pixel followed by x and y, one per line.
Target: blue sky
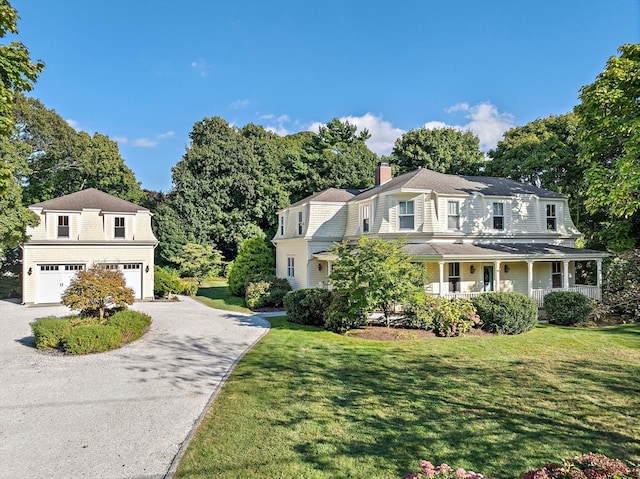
pixel 144 71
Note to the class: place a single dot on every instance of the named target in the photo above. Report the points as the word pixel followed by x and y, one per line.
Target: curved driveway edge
pixel 121 414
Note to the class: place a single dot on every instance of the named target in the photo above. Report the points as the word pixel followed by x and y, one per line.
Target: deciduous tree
pixel 198 261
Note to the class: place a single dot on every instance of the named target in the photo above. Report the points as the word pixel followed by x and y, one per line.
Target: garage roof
pixel 90 199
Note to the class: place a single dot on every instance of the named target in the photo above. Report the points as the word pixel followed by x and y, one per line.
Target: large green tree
pixel 609 138
pixel 446 150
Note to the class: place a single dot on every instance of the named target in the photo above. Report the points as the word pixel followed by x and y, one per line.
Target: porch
pixel 592 292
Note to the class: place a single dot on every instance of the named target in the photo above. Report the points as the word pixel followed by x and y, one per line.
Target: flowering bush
pixel 443 471
pixel 587 466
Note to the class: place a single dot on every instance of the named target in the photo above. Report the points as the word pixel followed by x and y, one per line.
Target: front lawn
pixel 215 294
pixel 305 403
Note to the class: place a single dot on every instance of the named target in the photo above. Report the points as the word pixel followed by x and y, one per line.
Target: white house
pixel 473 233
pixel 83 229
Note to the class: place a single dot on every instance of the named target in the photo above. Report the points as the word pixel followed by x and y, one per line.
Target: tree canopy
pixel 445 150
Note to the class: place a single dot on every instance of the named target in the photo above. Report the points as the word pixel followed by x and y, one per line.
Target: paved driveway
pixel 120 414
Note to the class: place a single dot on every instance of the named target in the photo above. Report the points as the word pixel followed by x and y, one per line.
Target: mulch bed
pixel 382 333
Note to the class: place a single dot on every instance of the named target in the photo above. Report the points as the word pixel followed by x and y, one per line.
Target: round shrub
pixel 92 338
pixel 307 306
pixel 165 282
pixel 266 291
pixel 506 312
pixel 444 316
pixel 341 317
pixel 567 307
pixel 131 324
pixel 254 257
pixel 50 332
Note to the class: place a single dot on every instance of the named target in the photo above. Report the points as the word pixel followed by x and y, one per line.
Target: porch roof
pixel 500 251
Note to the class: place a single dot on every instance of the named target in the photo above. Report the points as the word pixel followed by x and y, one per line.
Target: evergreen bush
pixel 266 291
pixel 92 338
pixel 341 316
pixel 506 312
pixel 567 307
pixel 165 282
pixel 307 306
pixel 50 332
pixel 131 324
pixel 444 316
pixel 254 257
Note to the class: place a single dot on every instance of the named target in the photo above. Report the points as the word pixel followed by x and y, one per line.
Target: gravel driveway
pixel 120 414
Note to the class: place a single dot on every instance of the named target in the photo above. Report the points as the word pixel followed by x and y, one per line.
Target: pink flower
pixel 461 472
pixel 426 465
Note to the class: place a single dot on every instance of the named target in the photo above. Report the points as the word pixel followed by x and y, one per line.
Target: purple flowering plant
pixel 443 471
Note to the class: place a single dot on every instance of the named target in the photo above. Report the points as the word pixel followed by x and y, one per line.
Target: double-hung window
pixel 453 215
pixel 556 274
pixel 282 226
pixel 454 277
pixel 498 216
pixel 551 217
pixel 406 215
pixel 291 266
pixel 63 226
pixel 300 223
pixel 366 215
pixel 118 230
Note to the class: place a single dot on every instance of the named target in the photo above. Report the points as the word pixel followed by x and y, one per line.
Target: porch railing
pixel 593 292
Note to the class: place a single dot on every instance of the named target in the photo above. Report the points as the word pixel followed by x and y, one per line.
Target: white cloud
pixel 201 66
pixel 383 133
pixel 437 125
pixel 237 105
pixel 73 124
pixel 121 140
pixel 144 143
pixel 164 136
pixel 276 124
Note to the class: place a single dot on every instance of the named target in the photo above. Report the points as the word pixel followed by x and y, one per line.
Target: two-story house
pixel 83 229
pixel 472 233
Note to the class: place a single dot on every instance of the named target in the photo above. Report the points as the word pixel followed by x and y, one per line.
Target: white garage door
pixel 132 273
pixel 52 280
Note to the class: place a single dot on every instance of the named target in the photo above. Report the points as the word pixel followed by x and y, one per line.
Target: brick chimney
pixel 383 173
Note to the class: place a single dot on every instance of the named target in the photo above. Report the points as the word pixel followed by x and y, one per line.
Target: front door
pixel 487 278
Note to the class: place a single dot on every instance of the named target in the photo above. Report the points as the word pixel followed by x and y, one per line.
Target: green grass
pixel 305 403
pixel 215 294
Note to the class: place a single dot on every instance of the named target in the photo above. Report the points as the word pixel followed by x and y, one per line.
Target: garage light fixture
pixel 146 270
pixel 30 271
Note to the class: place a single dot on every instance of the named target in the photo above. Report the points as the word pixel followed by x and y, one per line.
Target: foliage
pixel 94 290
pixel 165 282
pixel 587 466
pixel 343 314
pixel 198 261
pixel 254 257
pixel 445 150
pixel 50 332
pixel 609 138
pixel 445 317
pixel 131 324
pixel 506 312
pixel 443 471
pixel 567 307
pixel 621 285
pixel 265 291
pixel 92 338
pixel 307 306
pixel 17 72
pixel 375 274
pixel 189 286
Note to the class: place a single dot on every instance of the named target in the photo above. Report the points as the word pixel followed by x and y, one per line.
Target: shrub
pixel 445 317
pixel 189 286
pixel 307 306
pixel 506 312
pixel 567 307
pixel 621 285
pixel 341 316
pixel 92 338
pixel 50 332
pixel 254 257
pixel 131 324
pixel 587 466
pixel 165 282
pixel 266 291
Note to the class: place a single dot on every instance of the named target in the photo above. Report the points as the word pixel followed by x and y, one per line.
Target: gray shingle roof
pixel 90 199
pixel 503 251
pixel 329 195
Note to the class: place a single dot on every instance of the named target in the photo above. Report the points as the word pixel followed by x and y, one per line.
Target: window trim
pixel 453 273
pixel 300 223
pixel 119 232
pixel 281 225
pixel 556 272
pixel 61 226
pixel 406 215
pixel 291 266
pixel 455 216
pixel 551 215
pixel 366 218
pixel 498 225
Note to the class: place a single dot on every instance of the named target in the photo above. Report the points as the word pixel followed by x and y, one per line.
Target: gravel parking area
pixel 120 414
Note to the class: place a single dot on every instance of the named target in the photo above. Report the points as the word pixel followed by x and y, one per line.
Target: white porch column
pixel 530 278
pixel 565 274
pixel 441 267
pixel 497 277
pixel 599 273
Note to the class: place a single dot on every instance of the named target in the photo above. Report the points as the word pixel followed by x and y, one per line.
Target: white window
pixel 406 215
pixel 291 267
pixel 300 223
pixel 118 231
pixel 454 277
pixel 453 215
pixel 551 217
pixel 282 226
pixel 556 274
pixel 366 215
pixel 498 216
pixel 63 226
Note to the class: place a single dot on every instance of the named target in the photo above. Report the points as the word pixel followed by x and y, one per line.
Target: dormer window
pixel 551 217
pixel 366 215
pixel 63 226
pixel 118 231
pixel 282 226
pixel 406 215
pixel 453 215
pixel 300 223
pixel 498 216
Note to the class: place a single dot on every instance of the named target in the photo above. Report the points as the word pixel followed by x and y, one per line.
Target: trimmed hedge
pixel 444 316
pixel 567 307
pixel 307 306
pixel 92 338
pixel 50 332
pixel 340 318
pixel 265 291
pixel 131 324
pixel 506 312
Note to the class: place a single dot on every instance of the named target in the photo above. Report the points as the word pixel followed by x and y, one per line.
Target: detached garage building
pixel 83 229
